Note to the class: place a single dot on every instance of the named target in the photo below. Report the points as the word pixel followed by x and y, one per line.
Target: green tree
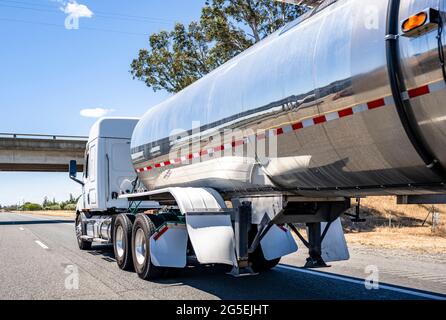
pixel 54 207
pixel 70 207
pixel 178 58
pixel 46 202
pixel 28 206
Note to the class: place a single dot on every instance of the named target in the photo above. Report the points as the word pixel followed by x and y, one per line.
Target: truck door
pixel 119 171
pixel 90 176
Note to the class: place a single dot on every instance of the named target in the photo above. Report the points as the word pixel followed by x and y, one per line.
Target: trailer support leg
pixel 315 246
pixel 242 225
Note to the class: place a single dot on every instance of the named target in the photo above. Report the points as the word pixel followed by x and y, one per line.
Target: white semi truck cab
pixel 108 167
pixel 108 174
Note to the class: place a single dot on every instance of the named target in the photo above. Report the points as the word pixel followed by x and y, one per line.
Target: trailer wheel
pixel 143 229
pixel 83 244
pixel 122 241
pixel 259 263
pixel 257 259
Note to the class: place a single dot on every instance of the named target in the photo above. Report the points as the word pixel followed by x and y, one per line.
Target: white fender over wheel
pixel 208 222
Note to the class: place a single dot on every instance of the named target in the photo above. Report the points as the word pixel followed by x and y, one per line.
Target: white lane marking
pixel 41 244
pixel 21 229
pixel 381 286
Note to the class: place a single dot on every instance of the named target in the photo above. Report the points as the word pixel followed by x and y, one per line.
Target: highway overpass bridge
pixel 40 153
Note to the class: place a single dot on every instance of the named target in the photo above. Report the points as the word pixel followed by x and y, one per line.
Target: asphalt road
pixel 39 259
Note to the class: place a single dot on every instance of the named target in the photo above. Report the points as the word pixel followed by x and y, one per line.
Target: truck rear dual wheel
pixel 122 241
pixel 143 229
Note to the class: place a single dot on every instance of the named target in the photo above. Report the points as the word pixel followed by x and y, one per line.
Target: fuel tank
pixel 312 109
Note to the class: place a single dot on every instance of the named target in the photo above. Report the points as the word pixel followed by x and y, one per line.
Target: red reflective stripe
pixel 345 113
pixel 160 233
pixel 419 91
pixel 376 104
pixel 297 126
pixel 412 93
pixel 237 143
pixel 320 119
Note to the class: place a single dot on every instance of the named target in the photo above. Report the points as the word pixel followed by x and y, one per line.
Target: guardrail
pixel 40 136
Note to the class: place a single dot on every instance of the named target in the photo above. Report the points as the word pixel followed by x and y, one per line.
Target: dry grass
pixel 395 226
pixel 55 213
pixel 400 238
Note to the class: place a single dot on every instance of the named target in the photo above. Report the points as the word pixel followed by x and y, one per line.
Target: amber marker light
pixel 414 22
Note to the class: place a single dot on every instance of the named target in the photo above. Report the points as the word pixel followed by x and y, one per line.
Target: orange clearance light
pixel 414 22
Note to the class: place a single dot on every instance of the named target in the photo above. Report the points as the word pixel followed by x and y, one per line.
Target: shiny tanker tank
pixel 336 103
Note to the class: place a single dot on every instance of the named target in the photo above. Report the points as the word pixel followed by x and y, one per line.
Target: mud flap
pixel 212 238
pixel 278 242
pixel 208 224
pixel 334 246
pixel 168 246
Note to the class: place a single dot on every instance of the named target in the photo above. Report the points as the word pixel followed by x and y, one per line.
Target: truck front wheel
pixel 122 241
pixel 143 229
pixel 83 244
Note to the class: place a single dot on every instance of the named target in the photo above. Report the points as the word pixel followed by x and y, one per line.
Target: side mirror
pixel 73 172
pixel 73 169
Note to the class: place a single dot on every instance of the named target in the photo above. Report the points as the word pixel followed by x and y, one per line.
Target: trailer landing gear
pixel 314 244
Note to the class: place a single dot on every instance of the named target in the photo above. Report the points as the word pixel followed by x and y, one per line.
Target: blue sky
pixel 49 74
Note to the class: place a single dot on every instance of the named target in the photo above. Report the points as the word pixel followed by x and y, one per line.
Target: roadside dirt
pixel 392 226
pixel 58 213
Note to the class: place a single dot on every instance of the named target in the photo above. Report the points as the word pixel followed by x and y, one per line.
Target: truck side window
pixel 92 164
pixel 87 160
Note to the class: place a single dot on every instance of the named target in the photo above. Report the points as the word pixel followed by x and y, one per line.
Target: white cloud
pixel 95 112
pixel 77 10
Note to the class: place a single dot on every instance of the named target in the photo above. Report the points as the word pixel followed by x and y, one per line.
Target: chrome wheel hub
pixel 78 228
pixel 119 241
pixel 140 247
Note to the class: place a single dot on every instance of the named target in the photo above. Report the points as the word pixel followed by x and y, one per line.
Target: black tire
pixel 259 263
pixel 257 259
pixel 143 229
pixel 79 229
pixel 122 243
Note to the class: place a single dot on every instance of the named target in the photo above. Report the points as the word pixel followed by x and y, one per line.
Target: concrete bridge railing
pixel 40 153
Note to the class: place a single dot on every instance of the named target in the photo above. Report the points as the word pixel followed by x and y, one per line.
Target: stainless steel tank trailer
pixel 345 102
